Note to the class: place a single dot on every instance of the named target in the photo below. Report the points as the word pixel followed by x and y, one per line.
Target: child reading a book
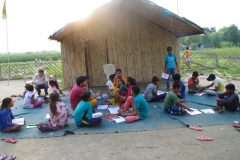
pixel 193 83
pixel 229 99
pixel 173 105
pixel 151 91
pixel 177 78
pixel 59 114
pixel 140 110
pixel 29 100
pixel 6 116
pixel 83 112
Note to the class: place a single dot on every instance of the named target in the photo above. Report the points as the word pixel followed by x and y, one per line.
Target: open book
pixel 113 110
pixel 207 111
pixel 165 76
pixel 194 112
pixel 19 121
pixel 160 92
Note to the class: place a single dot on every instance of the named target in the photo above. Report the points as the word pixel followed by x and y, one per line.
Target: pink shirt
pixel 129 91
pixel 75 96
pixel 193 83
pixel 61 118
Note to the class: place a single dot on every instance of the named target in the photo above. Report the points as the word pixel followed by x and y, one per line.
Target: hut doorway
pixel 96 57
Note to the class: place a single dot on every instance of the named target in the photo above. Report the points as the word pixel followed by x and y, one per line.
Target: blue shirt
pixel 182 92
pixel 170 60
pixel 82 108
pixel 6 117
pixel 141 104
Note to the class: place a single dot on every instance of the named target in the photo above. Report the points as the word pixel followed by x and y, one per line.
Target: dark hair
pixel 136 90
pixel 112 76
pixel 155 79
pixel 26 85
pixel 176 77
pixel 187 47
pixel 195 74
pixel 118 70
pixel 55 84
pixel 40 70
pixel 230 86
pixel 131 80
pixel 87 76
pixel 176 85
pixel 121 80
pixel 169 48
pixel 85 96
pixel 80 79
pixel 5 102
pixel 30 87
pixel 54 97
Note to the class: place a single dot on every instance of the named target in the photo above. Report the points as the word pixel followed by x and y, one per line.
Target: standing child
pixel 229 99
pixel 173 105
pixel 140 110
pixel 170 59
pixel 187 59
pixel 6 116
pixel 193 83
pixel 59 115
pixel 29 101
pixel 151 91
pixel 83 112
pixel 177 78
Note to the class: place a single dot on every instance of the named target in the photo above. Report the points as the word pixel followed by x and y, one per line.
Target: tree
pixel 216 40
pixel 230 34
pixel 193 39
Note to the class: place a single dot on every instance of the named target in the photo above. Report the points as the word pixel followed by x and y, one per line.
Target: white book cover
pixel 102 107
pixel 207 111
pixel 113 110
pixel 19 121
pixel 194 112
pixel 165 76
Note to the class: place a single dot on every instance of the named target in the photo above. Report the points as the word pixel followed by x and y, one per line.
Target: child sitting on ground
pixel 59 114
pixel 193 83
pixel 177 78
pixel 29 100
pixel 173 105
pixel 83 112
pixel 109 83
pixel 140 110
pixel 25 90
pixel 229 99
pixel 55 89
pixel 151 91
pixel 6 116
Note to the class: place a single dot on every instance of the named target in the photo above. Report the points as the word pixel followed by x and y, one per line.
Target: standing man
pixel 40 80
pixel 170 61
pixel 187 59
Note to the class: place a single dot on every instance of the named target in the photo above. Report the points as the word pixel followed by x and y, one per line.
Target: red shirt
pixel 129 91
pixel 75 96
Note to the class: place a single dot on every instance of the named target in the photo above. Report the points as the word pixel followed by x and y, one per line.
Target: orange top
pixel 123 78
pixel 187 53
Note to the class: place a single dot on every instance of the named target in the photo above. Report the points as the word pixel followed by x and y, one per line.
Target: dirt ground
pixel 179 143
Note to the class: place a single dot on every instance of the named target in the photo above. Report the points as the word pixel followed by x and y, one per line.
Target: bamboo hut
pixel 131 34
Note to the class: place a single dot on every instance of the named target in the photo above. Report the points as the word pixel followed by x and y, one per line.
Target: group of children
pixel 124 92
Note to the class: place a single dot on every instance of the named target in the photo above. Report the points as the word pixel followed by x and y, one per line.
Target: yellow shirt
pixel 219 84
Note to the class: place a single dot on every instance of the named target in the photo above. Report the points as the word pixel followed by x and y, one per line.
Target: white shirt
pixel 27 100
pixel 110 85
pixel 38 79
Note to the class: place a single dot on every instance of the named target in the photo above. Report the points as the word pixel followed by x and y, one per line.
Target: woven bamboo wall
pixel 134 44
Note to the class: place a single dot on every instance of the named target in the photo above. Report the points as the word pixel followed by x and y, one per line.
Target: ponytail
pixel 55 84
pixel 5 102
pixel 132 81
pixel 52 104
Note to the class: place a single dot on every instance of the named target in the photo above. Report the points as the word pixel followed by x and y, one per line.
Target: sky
pixel 31 22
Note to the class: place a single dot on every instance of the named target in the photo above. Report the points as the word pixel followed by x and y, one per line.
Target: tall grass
pixel 224 52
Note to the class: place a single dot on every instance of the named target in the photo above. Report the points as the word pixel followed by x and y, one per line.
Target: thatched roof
pixel 146 9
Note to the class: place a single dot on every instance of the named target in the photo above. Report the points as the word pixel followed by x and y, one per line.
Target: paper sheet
pixel 102 107
pixel 194 112
pixel 211 88
pixel 165 76
pixel 98 114
pixel 104 96
pixel 113 110
pixel 160 92
pixel 207 111
pixel 119 119
pixel 19 121
pixel 199 94
pixel 47 116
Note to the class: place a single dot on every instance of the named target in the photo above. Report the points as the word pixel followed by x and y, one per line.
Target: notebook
pixel 19 121
pixel 165 76
pixel 207 111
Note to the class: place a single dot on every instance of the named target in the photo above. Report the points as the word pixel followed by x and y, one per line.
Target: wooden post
pixel 217 60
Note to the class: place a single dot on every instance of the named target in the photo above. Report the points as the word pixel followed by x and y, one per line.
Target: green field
pixel 223 52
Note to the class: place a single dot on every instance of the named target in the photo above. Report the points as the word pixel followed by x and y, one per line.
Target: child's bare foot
pixel 216 108
pixel 220 111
